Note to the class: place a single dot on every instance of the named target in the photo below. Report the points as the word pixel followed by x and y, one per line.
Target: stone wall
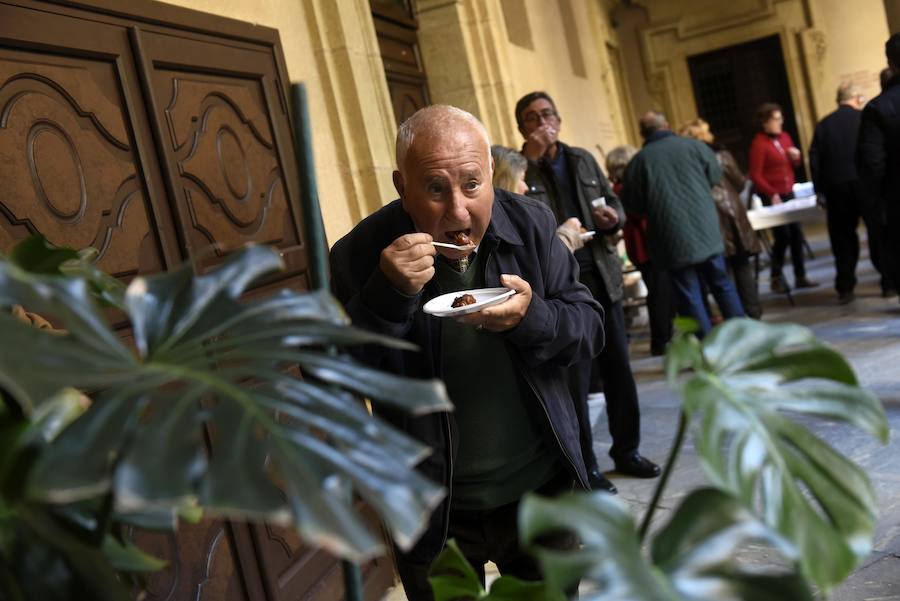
pixel 824 42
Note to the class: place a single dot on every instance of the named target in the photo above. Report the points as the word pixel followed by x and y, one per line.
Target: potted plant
pixel 772 482
pixel 267 382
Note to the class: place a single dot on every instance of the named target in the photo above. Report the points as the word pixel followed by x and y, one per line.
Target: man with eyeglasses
pixel 846 200
pixel 569 181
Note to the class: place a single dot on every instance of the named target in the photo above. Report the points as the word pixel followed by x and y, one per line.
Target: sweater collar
pixel 658 135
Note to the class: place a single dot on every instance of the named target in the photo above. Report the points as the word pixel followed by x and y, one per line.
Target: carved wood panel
pixel 155 133
pixel 68 162
pixel 224 135
pixel 293 570
pixel 398 43
pixel 202 564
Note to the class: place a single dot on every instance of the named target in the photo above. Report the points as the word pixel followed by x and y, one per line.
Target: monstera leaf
pixel 452 578
pixel 746 375
pixel 207 364
pixel 49 552
pixel 694 557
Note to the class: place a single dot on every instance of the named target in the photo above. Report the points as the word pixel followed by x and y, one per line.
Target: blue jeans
pixel 686 282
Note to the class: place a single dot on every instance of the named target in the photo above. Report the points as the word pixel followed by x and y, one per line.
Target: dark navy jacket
pixel 878 147
pixel 833 145
pixel 563 326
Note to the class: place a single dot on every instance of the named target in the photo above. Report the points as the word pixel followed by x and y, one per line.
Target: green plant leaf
pixel 452 578
pixel 797 484
pixel 107 289
pixel 610 554
pixel 50 562
pixel 125 556
pixel 698 551
pixel 36 255
pixel 695 557
pixel 283 448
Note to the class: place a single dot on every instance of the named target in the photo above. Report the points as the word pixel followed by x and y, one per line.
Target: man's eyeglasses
pixel 535 116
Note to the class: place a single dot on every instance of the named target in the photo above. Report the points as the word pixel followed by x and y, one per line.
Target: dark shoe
pixel 845 298
pixel 637 466
pixel 778 285
pixel 805 283
pixel 600 482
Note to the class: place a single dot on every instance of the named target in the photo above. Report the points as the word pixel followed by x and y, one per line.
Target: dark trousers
pixel 845 204
pixel 660 305
pixel 742 272
pixel 613 368
pixel 787 236
pixel 489 535
pixel 688 282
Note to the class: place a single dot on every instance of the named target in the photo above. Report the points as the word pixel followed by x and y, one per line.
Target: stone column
pixel 463 45
pixel 892 8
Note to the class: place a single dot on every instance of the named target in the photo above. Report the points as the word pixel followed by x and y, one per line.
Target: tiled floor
pixel 868 333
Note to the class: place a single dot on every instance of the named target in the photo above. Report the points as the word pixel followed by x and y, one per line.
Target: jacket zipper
pixel 449 452
pixel 449 480
pixel 537 395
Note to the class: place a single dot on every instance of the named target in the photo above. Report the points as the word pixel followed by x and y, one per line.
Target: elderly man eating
pixel 514 429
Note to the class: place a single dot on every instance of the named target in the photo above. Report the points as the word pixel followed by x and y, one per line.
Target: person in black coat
pixel 514 428
pixel 878 153
pixel 846 200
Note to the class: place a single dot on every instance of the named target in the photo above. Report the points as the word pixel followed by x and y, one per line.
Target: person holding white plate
pixel 514 428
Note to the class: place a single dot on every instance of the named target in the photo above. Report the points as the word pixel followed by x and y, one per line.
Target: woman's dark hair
pixel 765 112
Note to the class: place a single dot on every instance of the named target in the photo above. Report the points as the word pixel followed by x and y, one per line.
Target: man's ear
pixel 398 184
pixel 522 131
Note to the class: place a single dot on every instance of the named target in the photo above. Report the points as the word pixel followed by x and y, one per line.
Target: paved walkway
pixel 868 333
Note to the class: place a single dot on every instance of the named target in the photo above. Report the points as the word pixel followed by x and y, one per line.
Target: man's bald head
pixel 652 122
pixel 433 121
pixel 443 175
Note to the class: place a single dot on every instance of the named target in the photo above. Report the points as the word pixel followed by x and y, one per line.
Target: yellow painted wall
pixel 472 63
pixel 589 106
pixel 855 33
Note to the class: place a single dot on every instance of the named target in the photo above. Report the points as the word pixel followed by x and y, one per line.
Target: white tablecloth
pixel 793 211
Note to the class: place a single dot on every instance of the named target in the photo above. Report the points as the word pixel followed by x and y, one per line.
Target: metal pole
pixel 314 228
pixel 317 254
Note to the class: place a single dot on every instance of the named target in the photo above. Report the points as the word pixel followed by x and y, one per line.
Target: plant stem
pixel 664 478
pixel 353 587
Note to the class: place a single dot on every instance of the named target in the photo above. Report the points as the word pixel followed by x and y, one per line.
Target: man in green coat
pixel 670 181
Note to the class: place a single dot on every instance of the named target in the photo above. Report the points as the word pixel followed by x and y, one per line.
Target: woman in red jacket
pixel 773 157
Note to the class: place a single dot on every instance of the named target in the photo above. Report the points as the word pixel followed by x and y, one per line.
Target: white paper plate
pixel 484 297
pixel 587 235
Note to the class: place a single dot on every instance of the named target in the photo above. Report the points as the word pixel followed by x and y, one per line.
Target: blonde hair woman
pixel 509 174
pixel 741 242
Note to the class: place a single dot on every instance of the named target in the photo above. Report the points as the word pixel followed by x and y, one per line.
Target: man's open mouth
pixel 459 237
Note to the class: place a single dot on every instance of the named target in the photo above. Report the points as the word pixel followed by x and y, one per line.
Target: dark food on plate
pixel 462 301
pixel 461 239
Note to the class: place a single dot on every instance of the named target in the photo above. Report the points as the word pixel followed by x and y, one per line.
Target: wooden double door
pixel 731 83
pixel 155 133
